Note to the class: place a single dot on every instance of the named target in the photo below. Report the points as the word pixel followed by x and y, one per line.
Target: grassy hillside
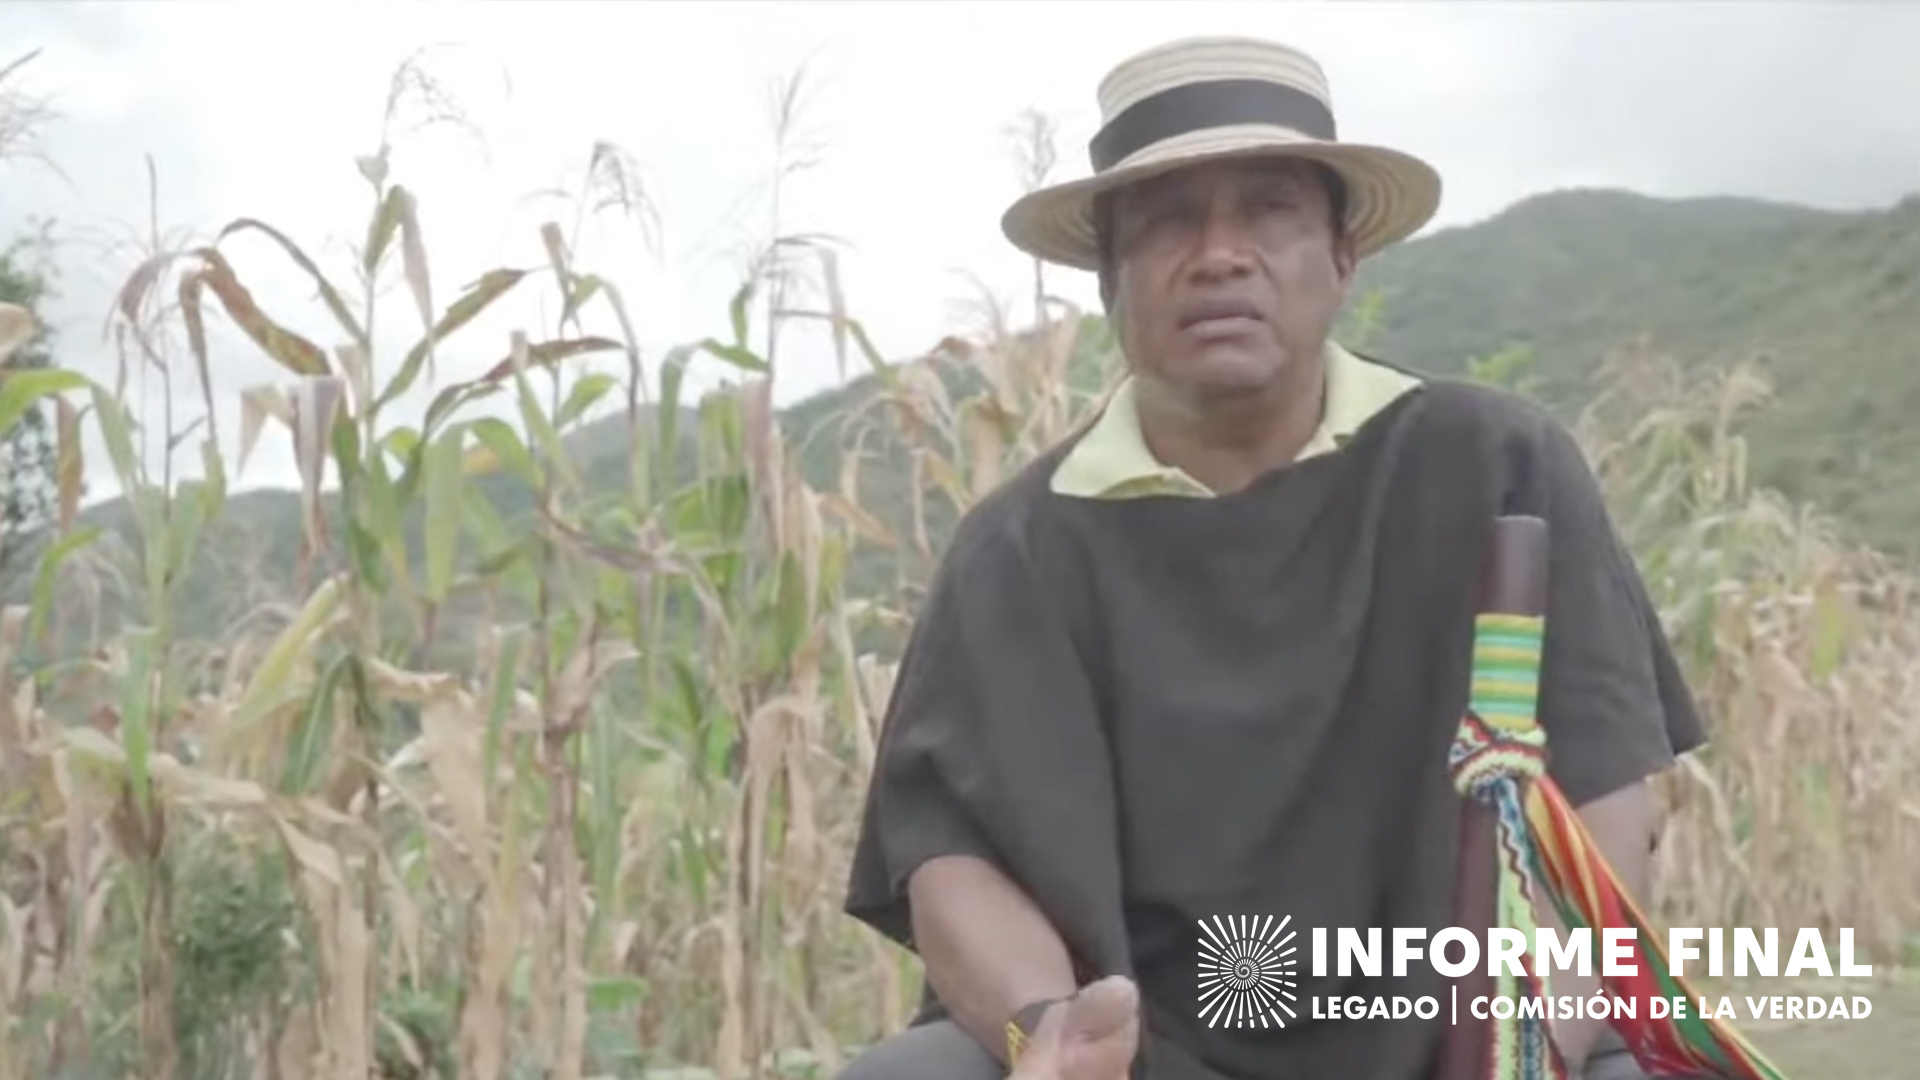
pixel 1830 301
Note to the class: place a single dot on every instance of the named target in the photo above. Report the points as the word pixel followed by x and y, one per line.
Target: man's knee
pixel 940 1050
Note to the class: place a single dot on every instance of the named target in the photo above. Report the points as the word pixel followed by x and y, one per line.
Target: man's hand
pixel 1094 1036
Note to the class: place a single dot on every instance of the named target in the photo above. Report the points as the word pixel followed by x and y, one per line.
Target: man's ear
pixel 1345 258
pixel 1108 274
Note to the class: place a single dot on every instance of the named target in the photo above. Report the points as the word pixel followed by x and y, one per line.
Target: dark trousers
pixel 941 1050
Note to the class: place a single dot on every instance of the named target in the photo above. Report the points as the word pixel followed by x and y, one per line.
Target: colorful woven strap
pixel 1586 892
pixel 1499 758
pixel 1497 751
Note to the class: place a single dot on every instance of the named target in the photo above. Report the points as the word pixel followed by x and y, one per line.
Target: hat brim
pixel 1391 194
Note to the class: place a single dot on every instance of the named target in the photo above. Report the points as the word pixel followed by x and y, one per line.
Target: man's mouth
pixel 1219 315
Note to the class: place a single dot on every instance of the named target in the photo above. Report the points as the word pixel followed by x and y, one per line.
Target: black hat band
pixel 1197 106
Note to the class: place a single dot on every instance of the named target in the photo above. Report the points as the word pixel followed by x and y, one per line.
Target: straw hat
pixel 1214 98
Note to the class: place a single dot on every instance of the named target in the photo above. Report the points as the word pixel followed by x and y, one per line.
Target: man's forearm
pixel 1624 826
pixel 988 951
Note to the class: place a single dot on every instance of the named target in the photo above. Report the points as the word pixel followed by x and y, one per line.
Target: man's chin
pixel 1227 373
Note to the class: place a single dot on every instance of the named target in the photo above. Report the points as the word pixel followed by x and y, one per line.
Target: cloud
pixel 1809 103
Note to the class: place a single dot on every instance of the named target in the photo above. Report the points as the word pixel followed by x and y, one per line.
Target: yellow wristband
pixel 1024 1025
pixel 1016 1042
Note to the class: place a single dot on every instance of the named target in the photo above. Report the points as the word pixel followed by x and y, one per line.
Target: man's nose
pixel 1222 241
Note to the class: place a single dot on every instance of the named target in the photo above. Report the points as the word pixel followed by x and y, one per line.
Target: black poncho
pixel 1154 711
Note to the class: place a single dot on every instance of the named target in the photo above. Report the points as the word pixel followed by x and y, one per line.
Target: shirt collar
pixel 1112 458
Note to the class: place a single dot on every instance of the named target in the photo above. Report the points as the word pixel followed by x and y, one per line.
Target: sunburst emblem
pixel 1246 972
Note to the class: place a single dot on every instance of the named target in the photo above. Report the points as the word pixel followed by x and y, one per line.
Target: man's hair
pixel 1330 180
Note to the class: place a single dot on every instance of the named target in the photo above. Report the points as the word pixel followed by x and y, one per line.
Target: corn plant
pixel 1795 640
pixel 538 748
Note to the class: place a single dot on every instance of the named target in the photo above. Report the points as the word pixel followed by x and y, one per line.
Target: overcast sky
pixel 258 110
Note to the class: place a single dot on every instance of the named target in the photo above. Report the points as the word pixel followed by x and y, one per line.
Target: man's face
pixel 1227 275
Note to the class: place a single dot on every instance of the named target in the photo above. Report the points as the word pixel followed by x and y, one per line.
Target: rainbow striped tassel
pixel 1499 758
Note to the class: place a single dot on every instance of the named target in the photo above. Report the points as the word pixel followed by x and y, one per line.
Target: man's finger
pixel 1100 1031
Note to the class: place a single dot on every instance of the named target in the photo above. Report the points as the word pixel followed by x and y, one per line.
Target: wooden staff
pixel 1513 581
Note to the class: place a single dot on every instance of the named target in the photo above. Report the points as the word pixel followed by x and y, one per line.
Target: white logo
pixel 1246 970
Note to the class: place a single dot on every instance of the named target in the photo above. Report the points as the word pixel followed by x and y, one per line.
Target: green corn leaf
pixel 21 390
pixel 445 470
pixel 479 296
pixel 56 554
pixel 589 389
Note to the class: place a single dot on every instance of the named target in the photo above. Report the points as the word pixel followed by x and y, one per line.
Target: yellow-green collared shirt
pixel 1112 460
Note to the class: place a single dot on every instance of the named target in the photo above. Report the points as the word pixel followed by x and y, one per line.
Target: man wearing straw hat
pixel 1205 658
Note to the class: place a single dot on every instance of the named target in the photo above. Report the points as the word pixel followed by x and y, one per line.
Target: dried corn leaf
pixel 336 303
pixel 257 405
pixel 453 742
pixel 69 462
pixel 985 445
pixel 17 327
pixel 316 405
pixel 296 353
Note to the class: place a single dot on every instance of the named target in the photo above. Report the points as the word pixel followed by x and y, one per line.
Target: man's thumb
pixel 1101 1010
